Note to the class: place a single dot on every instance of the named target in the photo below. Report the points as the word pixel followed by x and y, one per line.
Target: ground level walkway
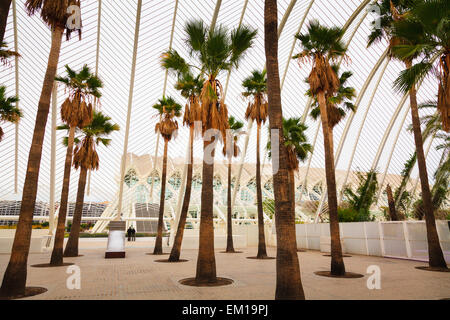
pixel 138 276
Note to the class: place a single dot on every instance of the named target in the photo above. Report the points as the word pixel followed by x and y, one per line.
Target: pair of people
pixel 131 234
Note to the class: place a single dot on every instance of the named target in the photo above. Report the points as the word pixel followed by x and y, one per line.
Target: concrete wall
pixel 400 239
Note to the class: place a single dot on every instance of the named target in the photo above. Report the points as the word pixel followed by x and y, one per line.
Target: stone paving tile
pixel 139 277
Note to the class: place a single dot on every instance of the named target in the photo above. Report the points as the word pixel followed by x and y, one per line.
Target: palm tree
pixel 86 158
pixel 297 146
pixel 54 14
pixel 424 32
pixel 8 111
pixel 320 45
pixel 256 89
pixel 4 10
pixel 76 112
pixel 414 28
pixel 214 51
pixel 168 110
pixel 364 196
pixel 288 283
pixel 190 88
pixel 231 150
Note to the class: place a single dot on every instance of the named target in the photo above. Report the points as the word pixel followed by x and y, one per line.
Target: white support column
pixel 407 243
pixel 16 67
pixel 365 238
pixel 293 44
pixel 381 233
pixel 215 14
pixel 130 104
pixel 244 8
pixel 155 159
pixel 363 121
pixel 97 55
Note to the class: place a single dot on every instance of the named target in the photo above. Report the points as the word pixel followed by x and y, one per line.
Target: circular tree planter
pixel 433 269
pixel 48 265
pixel 80 255
pixel 29 292
pixel 235 251
pixel 157 254
pixel 343 256
pixel 167 260
pixel 347 275
pixel 263 258
pixel 217 283
pixel 301 250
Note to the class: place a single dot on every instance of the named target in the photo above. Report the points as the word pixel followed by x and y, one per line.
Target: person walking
pixel 129 233
pixel 133 234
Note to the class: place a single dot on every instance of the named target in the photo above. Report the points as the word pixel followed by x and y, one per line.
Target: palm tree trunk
pixel 71 249
pixel 436 257
pixel 57 253
pixel 176 248
pixel 206 261
pixel 15 277
pixel 289 284
pixel 230 246
pixel 262 253
pixel 4 11
pixel 337 263
pixel 162 199
pixel 391 203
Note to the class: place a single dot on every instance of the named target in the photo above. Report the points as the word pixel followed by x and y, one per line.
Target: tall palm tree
pixel 288 283
pixel 256 89
pixel 54 14
pixel 4 11
pixel 231 150
pixel 190 88
pixel 86 158
pixel 168 111
pixel 9 112
pixel 213 50
pixel 413 28
pixel 76 112
pixel 321 45
pixel 298 148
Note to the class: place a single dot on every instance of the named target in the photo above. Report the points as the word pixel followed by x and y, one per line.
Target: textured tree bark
pixel 15 277
pixel 176 248
pixel 4 11
pixel 71 249
pixel 436 257
pixel 158 243
pixel 288 283
pixel 57 253
pixel 262 253
pixel 391 203
pixel 206 261
pixel 337 262
pixel 230 246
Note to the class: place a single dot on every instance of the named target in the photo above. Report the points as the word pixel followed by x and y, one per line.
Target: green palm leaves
pixel 168 110
pixel 321 45
pixel 86 139
pixel 295 141
pixel 8 110
pixel 83 87
pixel 232 149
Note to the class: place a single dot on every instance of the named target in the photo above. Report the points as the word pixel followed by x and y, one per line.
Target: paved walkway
pixel 139 277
